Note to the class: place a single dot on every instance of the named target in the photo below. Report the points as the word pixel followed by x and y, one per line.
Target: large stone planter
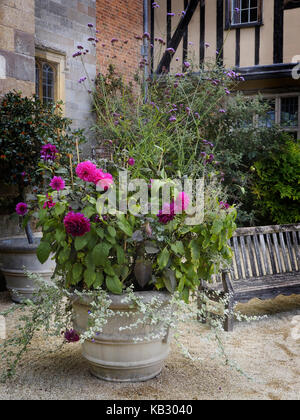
pixel 114 355
pixel 15 255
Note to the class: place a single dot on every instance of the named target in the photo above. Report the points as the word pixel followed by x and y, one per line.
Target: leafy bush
pixel 277 186
pixel 26 124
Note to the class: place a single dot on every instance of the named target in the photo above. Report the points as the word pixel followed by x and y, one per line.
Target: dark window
pixel 244 13
pixel 289 112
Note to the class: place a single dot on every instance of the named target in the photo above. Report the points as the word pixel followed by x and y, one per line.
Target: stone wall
pixel 121 21
pixel 61 25
pixel 17 28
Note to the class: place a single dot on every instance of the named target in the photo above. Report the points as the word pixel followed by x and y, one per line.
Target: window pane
pixel 269 119
pixel 289 112
pixel 48 83
pixel 244 11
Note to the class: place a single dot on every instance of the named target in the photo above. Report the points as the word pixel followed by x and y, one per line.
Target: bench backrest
pixel 265 250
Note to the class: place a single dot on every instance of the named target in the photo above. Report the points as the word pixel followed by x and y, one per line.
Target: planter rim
pixel 117 303
pixel 18 244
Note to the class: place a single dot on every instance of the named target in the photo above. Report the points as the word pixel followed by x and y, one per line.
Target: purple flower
pixel 57 183
pixel 207 45
pixel 187 64
pixel 155 5
pixel 71 336
pixel 167 214
pixel 171 50
pixel 23 174
pixel 76 224
pixel 172 119
pixel 49 152
pixel 91 39
pixel 113 40
pixel 21 209
pixel 131 161
pixel 170 14
pixel 82 80
pixel 80 47
pixel 222 111
pixel 90 25
pixel 179 75
pixel 224 205
pixel 86 171
pixel 146 35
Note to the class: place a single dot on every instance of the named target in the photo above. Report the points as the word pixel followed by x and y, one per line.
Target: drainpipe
pixel 145 51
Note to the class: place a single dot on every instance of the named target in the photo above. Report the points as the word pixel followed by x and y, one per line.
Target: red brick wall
pixel 122 20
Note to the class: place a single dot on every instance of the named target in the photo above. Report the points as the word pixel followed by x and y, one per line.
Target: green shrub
pixel 26 124
pixel 277 187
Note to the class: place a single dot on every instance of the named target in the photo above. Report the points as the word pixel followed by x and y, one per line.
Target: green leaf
pixel 100 253
pixel 77 271
pixel 64 255
pixel 89 211
pixel 43 252
pixel 170 280
pixel 112 231
pixel 89 261
pixel 125 226
pixel 80 242
pixel 114 285
pixel 100 232
pixel 99 279
pixel 195 250
pixel 178 248
pixel 89 277
pixel 59 209
pixel 60 236
pixel 163 258
pixel 151 248
pixel 120 254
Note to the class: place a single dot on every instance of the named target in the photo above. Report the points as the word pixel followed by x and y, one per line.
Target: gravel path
pixel 265 351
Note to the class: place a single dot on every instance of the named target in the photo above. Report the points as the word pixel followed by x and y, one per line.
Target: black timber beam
pixel 178 34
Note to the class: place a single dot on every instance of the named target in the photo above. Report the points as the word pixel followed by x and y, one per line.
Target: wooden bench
pixel 266 263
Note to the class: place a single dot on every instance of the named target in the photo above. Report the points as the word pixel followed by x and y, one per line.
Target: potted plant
pixel 30 133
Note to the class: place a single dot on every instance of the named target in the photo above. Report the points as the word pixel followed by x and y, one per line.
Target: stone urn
pixel 17 255
pixel 126 355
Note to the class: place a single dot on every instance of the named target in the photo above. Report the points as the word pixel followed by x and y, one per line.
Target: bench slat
pixel 237 257
pixel 290 250
pixel 276 246
pixel 264 253
pixel 251 256
pixel 257 253
pixel 271 253
pixel 244 257
pixel 284 253
pixel 297 248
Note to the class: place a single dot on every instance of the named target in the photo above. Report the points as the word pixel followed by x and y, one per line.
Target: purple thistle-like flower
pixel 172 119
pixel 171 50
pixel 57 183
pixel 170 14
pixel 224 205
pixel 90 25
pixel 187 64
pixel 49 152
pixel 21 209
pixel 207 45
pixel 80 47
pixel 113 40
pixel 155 5
pixel 71 336
pixel 91 39
pixel 76 224
pixel 222 111
pixel 146 35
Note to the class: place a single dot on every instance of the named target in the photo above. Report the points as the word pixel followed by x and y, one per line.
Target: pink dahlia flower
pixel 86 171
pixel 49 152
pixel 49 203
pixel 57 183
pixel 182 202
pixel 76 224
pixel 21 209
pixel 103 180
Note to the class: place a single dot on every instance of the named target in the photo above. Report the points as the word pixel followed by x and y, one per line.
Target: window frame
pixel 277 98
pixel 40 64
pixel 57 60
pixel 228 14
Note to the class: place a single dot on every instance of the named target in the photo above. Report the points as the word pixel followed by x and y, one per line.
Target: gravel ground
pixel 264 350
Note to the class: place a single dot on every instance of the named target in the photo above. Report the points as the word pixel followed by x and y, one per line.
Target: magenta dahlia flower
pixel 76 224
pixel 57 183
pixel 103 180
pixel 49 152
pixel 21 209
pixel 49 202
pixel 167 213
pixel 86 171
pixel 71 336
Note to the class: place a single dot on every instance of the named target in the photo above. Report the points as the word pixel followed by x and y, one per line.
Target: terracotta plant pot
pixel 114 355
pixel 16 254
